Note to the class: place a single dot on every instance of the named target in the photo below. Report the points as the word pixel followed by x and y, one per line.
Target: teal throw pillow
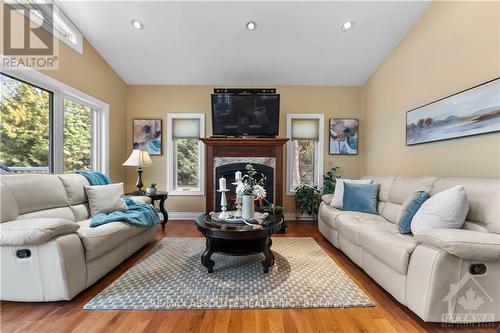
pixel 361 197
pixel 409 209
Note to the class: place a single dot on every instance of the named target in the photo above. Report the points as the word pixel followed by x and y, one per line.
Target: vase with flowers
pixel 251 188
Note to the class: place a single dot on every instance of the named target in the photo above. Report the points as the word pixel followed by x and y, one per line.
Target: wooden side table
pixel 162 196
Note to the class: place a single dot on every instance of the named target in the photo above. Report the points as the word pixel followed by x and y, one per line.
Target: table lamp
pixel 139 159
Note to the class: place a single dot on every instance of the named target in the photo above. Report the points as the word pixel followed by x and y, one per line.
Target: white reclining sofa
pixel 426 273
pixel 48 267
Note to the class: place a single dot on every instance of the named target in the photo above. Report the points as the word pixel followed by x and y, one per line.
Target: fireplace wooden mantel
pixel 242 147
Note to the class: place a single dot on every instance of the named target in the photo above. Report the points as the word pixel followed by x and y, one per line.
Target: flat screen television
pixel 246 114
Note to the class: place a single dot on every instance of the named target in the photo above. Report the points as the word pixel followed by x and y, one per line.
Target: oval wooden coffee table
pixel 237 239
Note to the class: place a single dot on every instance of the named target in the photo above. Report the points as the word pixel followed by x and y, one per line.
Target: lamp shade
pixel 139 158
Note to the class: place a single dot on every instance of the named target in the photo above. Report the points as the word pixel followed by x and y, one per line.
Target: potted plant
pixel 329 181
pixel 151 190
pixel 307 200
pixel 251 188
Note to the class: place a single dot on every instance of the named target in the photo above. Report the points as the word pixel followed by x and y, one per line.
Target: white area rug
pixel 171 276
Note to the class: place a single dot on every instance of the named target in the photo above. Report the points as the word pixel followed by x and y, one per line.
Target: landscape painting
pixel 470 112
pixel 147 135
pixel 343 136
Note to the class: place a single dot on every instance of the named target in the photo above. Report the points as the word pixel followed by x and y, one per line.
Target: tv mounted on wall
pixel 245 114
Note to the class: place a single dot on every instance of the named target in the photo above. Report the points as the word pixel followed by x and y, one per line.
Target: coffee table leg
pixel 205 257
pixel 269 256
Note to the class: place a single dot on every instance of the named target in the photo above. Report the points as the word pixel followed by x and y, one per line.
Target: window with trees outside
pixel 185 153
pixel 304 151
pixel 45 130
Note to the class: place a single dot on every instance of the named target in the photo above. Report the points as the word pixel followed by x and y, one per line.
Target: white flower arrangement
pixel 250 185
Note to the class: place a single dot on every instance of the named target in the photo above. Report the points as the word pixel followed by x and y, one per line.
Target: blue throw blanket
pixel 96 177
pixel 137 214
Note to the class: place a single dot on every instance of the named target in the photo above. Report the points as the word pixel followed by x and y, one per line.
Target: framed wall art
pixel 343 136
pixel 147 136
pixel 470 112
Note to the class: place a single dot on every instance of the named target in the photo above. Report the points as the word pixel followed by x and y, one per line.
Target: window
pixel 24 126
pixel 59 24
pixel 304 150
pixel 78 136
pixel 185 153
pixel 47 126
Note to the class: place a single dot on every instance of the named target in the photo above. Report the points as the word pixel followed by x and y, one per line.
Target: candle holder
pixel 239 201
pixel 223 203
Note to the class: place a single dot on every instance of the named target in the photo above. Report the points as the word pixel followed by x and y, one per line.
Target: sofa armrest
pixel 34 231
pixel 140 199
pixel 327 198
pixel 466 244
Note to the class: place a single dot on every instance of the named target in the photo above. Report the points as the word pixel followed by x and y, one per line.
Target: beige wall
pixel 158 101
pixel 91 74
pixel 453 46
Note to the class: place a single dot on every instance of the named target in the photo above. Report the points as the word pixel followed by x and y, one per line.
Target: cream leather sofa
pixel 428 273
pixel 63 266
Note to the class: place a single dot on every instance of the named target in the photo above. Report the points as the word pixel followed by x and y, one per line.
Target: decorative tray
pixel 259 220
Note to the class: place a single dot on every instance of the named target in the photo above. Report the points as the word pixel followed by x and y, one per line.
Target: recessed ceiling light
pixel 137 24
pixel 347 25
pixel 251 25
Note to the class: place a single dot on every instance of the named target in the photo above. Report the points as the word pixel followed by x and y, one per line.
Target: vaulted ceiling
pixel 295 43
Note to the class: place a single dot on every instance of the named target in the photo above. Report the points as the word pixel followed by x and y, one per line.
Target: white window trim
pixel 60 90
pixel 57 12
pixel 171 157
pixel 319 153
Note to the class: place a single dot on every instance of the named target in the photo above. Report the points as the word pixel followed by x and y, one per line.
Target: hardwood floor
pixel 387 316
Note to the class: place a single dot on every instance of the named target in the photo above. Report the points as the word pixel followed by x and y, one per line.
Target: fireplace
pixel 228 170
pixel 225 156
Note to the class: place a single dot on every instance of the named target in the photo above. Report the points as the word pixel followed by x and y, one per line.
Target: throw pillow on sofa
pixel 409 209
pixel 444 210
pixel 338 195
pixel 106 198
pixel 361 197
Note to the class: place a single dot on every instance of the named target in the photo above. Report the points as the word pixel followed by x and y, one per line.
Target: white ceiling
pixel 295 43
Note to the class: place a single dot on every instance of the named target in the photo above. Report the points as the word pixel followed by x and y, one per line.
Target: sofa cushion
pixel 484 196
pixel 23 186
pixel 409 209
pixel 8 205
pixel 388 245
pixel 102 239
pixel 34 231
pixel 470 245
pixel 446 209
pixel 74 185
pixel 81 211
pixel 385 186
pixel 403 187
pixel 361 197
pixel 105 199
pixel 60 213
pixel 350 223
pixel 338 196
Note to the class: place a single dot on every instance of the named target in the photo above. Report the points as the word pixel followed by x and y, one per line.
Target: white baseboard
pixel 291 217
pixel 193 215
pixel 183 215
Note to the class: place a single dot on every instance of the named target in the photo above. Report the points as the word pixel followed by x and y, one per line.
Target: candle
pixel 222 183
pixel 237 176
